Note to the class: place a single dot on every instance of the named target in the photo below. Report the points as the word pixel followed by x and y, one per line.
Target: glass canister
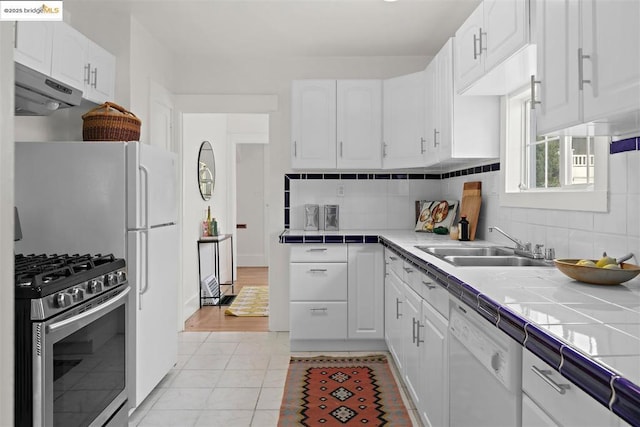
pixel 311 217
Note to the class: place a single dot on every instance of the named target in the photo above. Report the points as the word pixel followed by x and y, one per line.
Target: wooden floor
pixel 213 319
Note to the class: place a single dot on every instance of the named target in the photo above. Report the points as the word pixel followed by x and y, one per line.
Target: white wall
pixel 196 128
pixel 6 223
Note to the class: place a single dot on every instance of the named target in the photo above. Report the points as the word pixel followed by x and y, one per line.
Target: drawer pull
pixel 317 270
pixel 324 309
pixel 409 270
pixel 544 374
pixel 392 258
pixel 316 250
pixel 429 285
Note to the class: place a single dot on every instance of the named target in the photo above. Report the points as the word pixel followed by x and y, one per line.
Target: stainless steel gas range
pixel 71 340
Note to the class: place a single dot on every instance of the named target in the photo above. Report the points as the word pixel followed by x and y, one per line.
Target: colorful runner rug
pixel 341 391
pixel 252 301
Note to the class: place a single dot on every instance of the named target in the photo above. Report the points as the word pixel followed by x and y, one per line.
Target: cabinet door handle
pixel 418 340
pixel 475 51
pixel 398 314
pixel 384 149
pixel 295 148
pixel 533 92
pixel 413 331
pixel 480 34
pixel 581 80
pixel 340 148
pixel 544 374
pixel 95 78
pixel 317 270
pixel 87 78
pixel 435 138
pixel 422 141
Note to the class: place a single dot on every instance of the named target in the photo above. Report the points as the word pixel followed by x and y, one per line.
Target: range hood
pixel 40 95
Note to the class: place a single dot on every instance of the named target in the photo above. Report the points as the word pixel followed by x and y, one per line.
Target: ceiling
pixel 268 28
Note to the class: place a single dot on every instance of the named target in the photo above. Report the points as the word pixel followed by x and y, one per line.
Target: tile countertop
pixel 590 333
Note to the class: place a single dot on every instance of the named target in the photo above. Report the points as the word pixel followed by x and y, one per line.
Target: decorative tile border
pixel 624 145
pixel 286 237
pixel 596 380
pixel 373 176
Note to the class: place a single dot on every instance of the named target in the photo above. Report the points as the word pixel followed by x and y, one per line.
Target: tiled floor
pixel 222 379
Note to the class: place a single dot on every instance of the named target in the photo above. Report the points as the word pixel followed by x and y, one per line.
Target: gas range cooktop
pixel 37 276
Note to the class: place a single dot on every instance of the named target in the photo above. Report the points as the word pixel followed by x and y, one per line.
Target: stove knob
pixel 122 276
pixel 94 287
pixel 62 300
pixel 111 279
pixel 76 294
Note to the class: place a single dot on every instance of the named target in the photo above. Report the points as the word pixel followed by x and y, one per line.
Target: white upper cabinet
pixel 403 121
pixel 457 128
pixel 359 124
pixel 58 50
pixel 336 124
pixel 313 124
pixel 69 53
pixel 33 44
pixel 611 60
pixel 100 72
pixel 486 42
pixel 588 70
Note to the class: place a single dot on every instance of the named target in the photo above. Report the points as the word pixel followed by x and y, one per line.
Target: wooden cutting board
pixel 470 205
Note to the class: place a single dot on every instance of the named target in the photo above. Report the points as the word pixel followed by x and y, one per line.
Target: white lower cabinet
pixel 365 291
pixel 336 297
pixel 549 399
pixel 416 329
pixel 393 322
pixel 434 367
pixel 318 320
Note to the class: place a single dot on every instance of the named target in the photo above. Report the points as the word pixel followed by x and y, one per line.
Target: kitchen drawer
pixel 316 281
pixel 574 407
pixel 428 289
pixel 318 320
pixel 318 253
pixel 393 262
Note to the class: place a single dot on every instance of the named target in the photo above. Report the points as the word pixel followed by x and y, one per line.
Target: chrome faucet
pixel 523 249
pixel 519 244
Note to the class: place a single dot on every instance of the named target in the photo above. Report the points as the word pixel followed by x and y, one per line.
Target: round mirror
pixel 206 170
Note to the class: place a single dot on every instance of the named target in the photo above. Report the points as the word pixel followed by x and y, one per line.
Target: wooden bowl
pixel 596 275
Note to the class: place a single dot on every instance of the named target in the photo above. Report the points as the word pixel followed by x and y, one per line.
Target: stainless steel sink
pixel 442 251
pixel 495 261
pixel 482 256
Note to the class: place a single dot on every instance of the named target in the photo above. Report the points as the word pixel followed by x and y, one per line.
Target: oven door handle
pixel 88 316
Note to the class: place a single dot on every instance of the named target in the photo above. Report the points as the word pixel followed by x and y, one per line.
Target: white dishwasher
pixel 485 372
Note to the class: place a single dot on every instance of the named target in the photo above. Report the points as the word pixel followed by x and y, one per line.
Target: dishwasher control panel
pixel 470 330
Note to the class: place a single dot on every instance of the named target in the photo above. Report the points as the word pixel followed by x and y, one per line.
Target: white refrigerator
pixel 111 197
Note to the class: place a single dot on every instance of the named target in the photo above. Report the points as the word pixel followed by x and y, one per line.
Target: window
pixel 561 171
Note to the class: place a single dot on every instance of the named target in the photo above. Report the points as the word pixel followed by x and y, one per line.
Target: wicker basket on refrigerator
pixel 110 122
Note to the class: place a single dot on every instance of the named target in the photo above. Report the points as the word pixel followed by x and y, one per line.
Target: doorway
pixel 247 137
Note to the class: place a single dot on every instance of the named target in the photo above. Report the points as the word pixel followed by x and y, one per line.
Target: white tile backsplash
pixel 371 204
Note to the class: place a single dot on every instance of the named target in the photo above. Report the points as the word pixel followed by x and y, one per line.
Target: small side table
pixel 215 240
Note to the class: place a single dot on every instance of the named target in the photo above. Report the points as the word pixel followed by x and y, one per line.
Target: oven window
pixel 89 370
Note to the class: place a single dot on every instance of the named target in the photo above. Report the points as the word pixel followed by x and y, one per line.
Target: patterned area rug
pixel 341 391
pixel 252 301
